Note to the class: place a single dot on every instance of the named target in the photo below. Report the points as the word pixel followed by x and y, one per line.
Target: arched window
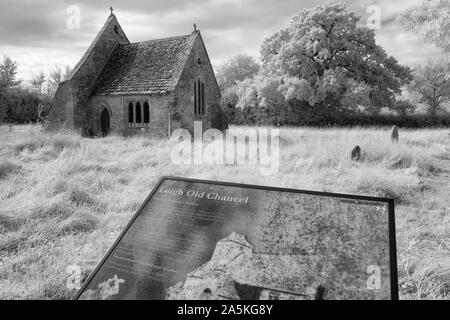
pixel 202 99
pixel 138 113
pixel 146 112
pixel 195 98
pixel 199 97
pixel 130 113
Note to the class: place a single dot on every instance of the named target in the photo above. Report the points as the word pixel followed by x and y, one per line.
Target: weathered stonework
pixel 113 73
pixel 70 104
pixel 118 108
pixel 185 88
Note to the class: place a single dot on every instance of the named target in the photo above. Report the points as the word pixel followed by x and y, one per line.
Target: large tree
pixel 430 21
pixel 8 72
pixel 237 68
pixel 328 60
pixel 432 84
pixel 8 82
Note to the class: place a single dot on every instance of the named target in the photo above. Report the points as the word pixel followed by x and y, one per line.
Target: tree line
pixel 19 104
pixel 326 69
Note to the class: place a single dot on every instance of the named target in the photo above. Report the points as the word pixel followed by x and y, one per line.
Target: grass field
pixel 64 199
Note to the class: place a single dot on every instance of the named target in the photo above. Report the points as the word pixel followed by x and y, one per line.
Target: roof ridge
pixel 162 39
pixel 93 44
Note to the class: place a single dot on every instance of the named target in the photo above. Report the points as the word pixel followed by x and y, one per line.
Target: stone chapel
pixel 154 86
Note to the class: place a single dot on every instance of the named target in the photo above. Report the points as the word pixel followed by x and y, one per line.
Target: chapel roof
pixel 148 67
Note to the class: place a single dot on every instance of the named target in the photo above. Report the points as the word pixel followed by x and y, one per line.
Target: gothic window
pixel 138 113
pixel 199 97
pixel 195 97
pixel 146 112
pixel 130 113
pixel 202 98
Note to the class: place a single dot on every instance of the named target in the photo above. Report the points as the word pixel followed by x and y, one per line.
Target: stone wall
pixel 73 94
pixel 116 113
pixel 61 112
pixel 184 91
pixel 76 109
pixel 118 108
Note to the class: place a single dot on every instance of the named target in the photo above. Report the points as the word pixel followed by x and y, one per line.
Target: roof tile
pixel 148 67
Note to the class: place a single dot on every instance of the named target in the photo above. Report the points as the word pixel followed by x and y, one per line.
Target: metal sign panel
pixel 195 239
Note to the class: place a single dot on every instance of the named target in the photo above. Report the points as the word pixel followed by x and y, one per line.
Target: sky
pixel 43 34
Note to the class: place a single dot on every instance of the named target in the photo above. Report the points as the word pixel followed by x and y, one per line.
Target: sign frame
pixel 391 222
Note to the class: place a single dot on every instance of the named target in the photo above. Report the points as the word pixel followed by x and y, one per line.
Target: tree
pixel 329 61
pixel 237 68
pixel 259 98
pixel 57 76
pixel 8 71
pixel 404 107
pixel 38 81
pixel 3 105
pixel 8 82
pixel 430 22
pixel 432 84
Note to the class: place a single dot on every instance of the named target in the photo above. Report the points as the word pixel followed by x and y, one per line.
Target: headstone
pixel 394 134
pixel 356 153
pixel 195 239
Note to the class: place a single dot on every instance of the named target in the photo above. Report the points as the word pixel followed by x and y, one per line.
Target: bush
pixel 7 168
pixel 20 105
pixel 322 117
pixel 8 223
pixel 404 107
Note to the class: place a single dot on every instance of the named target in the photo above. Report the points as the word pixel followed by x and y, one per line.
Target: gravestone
pixel 195 239
pixel 394 134
pixel 356 153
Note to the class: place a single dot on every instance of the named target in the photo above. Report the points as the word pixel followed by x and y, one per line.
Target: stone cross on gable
pixel 112 9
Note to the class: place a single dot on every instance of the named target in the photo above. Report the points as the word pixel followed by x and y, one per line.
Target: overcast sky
pixel 35 33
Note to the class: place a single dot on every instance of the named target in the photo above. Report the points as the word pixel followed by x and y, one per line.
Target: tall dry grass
pixel 64 199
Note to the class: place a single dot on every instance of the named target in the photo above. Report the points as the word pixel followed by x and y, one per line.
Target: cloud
pixel 35 33
pixel 405 46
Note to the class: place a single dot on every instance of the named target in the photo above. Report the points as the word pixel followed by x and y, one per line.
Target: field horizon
pixel 64 198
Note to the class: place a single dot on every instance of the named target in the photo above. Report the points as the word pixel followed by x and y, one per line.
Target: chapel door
pixel 105 122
